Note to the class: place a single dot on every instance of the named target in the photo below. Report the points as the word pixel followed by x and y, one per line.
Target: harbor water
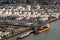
pixel 52 34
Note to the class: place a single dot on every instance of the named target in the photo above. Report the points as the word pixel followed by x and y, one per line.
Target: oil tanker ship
pixel 43 28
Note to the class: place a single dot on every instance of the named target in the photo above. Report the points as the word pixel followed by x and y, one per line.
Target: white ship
pixel 24 35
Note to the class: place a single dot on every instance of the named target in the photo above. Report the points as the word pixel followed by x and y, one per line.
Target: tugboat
pixel 43 28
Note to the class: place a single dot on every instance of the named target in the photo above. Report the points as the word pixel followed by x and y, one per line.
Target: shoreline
pixel 48 21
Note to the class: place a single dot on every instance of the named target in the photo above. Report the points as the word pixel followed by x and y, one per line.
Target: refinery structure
pixel 19 16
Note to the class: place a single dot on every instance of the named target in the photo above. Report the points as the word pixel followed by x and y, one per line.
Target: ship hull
pixel 42 30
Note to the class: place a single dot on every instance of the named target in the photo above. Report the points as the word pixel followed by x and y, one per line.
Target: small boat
pixel 43 28
pixel 24 35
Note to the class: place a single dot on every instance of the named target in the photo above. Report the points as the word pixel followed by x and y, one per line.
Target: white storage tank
pixel 44 17
pixel 28 7
pixel 38 6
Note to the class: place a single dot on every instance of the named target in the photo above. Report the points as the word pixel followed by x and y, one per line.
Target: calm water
pixel 52 34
